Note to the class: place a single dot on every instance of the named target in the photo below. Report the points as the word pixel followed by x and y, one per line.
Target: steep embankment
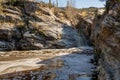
pixel 105 35
pixel 31 25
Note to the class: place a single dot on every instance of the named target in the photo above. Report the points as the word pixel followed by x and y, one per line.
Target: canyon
pixel 38 42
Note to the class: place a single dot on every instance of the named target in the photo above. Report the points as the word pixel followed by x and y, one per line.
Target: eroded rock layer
pixel 105 35
pixel 36 26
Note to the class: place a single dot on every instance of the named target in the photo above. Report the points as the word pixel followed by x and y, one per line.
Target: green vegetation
pixel 12 1
pixel 54 4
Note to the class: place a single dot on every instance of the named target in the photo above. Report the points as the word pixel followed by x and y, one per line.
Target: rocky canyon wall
pixel 33 26
pixel 105 35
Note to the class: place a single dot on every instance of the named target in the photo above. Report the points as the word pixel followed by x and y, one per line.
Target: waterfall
pixel 82 40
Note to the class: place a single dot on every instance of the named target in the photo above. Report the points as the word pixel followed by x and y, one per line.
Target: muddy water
pixel 52 64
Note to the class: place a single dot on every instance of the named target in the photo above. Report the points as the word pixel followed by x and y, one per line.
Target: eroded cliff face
pixel 105 35
pixel 33 25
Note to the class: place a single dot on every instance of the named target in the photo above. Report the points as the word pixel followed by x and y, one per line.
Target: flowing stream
pixel 55 64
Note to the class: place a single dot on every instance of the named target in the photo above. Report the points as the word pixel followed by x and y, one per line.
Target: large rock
pixel 33 26
pixel 48 35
